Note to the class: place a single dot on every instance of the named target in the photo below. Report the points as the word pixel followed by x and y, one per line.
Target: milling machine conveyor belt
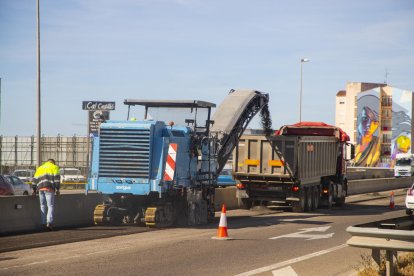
pixel 232 117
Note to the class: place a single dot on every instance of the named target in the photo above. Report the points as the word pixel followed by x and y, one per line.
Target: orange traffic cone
pixel 222 229
pixel 392 204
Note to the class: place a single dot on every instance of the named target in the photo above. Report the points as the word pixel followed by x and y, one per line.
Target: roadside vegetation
pixel 404 266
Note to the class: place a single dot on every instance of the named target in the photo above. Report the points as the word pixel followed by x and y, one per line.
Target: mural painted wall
pixel 401 122
pixel 368 146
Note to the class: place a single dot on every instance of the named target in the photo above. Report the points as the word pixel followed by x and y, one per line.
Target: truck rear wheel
pixel 315 199
pixel 244 203
pixel 300 206
pixel 327 200
pixel 341 199
pixel 309 199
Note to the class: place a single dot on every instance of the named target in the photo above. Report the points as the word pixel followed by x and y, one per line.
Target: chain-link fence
pixel 19 152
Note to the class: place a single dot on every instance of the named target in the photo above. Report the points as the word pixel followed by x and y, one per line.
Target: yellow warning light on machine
pixel 276 163
pixel 252 162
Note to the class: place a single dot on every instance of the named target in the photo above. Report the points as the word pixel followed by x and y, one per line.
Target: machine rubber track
pixel 150 214
pixel 99 214
pixel 156 217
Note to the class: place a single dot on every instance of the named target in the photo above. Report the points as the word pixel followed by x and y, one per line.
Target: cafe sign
pixel 95 105
pixel 98 112
pixel 96 117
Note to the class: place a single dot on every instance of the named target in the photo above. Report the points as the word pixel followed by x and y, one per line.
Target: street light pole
pixel 38 144
pixel 301 85
pixel 1 140
pixel 0 106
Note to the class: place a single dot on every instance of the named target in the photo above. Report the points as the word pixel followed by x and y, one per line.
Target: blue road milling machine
pixel 163 170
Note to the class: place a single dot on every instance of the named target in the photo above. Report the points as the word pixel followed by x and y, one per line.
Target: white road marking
pixel 286 271
pixel 292 261
pixel 304 234
pixel 290 220
pixel 23 265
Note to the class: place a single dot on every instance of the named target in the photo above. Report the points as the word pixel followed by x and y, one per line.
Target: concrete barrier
pixel 22 213
pixel 363 186
pixel 355 173
pixel 225 196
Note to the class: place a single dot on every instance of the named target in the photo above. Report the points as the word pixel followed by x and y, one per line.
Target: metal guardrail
pixel 391 235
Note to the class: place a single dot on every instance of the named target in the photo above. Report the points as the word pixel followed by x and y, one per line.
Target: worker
pixel 46 182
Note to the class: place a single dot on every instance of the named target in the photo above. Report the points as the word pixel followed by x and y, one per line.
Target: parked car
pixel 25 175
pixel 19 187
pixel 5 187
pixel 409 201
pixel 225 178
pixel 71 175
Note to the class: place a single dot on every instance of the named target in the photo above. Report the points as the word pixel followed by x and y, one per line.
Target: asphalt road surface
pixel 266 241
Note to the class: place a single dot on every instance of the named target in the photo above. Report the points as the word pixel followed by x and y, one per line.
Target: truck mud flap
pixel 241 194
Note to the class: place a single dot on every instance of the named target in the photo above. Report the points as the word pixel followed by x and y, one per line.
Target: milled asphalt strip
pixel 292 261
pixel 66 258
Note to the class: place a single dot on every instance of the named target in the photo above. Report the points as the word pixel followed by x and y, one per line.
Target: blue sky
pixel 109 50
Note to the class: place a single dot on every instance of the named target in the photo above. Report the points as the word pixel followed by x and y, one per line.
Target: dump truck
pixel 163 170
pixel 302 165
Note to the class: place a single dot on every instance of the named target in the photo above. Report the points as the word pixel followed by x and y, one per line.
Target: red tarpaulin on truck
pixel 313 129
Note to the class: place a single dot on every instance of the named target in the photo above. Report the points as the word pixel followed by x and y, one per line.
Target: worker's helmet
pixel 133 119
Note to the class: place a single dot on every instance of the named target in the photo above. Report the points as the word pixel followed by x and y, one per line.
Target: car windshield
pixel 403 162
pixel 225 172
pixel 23 173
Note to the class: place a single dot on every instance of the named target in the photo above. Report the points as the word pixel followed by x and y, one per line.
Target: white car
pixel 409 201
pixel 20 188
pixel 71 175
pixel 24 175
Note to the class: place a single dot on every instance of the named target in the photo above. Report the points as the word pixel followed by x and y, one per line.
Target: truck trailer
pixel 302 165
pixel 163 169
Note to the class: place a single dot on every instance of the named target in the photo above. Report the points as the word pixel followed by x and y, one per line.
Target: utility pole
pixel 38 128
pixel 0 105
pixel 1 138
pixel 301 86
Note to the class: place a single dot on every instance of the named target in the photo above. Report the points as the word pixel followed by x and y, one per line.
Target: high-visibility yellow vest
pixel 47 176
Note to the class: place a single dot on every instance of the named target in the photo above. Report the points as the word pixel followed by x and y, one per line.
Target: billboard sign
pixel 98 112
pixel 96 117
pixel 97 105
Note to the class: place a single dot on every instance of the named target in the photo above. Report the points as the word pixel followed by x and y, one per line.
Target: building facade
pixel 378 119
